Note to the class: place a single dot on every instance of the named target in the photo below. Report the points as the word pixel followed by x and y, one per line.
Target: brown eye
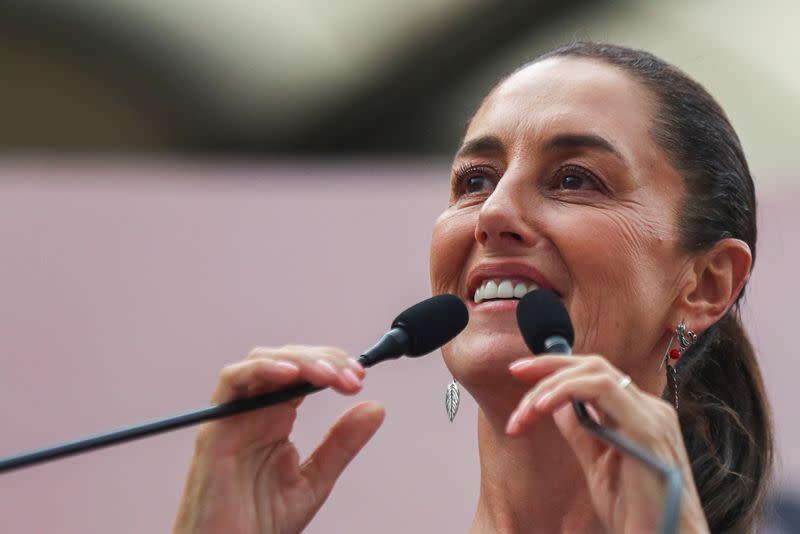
pixel 478 184
pixel 573 178
pixel 474 181
pixel 572 181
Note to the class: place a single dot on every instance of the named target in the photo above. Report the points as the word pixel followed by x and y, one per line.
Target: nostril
pixel 513 235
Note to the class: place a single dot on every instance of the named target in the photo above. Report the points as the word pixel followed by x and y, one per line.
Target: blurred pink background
pixel 124 288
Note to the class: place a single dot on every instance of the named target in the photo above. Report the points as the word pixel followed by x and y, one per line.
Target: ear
pixel 718 276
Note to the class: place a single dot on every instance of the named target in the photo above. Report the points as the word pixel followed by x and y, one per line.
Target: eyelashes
pixel 471 179
pixel 478 180
pixel 577 178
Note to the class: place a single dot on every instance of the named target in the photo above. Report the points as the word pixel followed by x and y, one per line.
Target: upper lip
pixel 505 269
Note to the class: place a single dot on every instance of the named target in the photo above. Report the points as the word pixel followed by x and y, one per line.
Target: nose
pixel 502 218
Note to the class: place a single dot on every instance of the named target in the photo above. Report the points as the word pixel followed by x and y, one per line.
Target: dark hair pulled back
pixel 724 412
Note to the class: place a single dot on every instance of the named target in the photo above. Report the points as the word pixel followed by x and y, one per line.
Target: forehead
pixel 560 95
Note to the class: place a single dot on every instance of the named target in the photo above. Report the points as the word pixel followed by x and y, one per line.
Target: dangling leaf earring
pixel 686 338
pixel 451 398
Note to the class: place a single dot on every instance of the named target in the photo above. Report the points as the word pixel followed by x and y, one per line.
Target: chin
pixel 478 359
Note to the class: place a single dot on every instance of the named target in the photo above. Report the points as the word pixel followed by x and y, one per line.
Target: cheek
pixel 618 268
pixel 451 243
pixel 628 251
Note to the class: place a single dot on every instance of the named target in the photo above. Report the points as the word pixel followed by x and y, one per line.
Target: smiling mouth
pixel 508 289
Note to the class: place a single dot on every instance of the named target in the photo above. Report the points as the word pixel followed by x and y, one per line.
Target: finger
pixel 344 440
pixel 535 368
pixel 333 355
pixel 322 366
pixel 237 379
pixel 661 436
pixel 586 447
pixel 602 390
pixel 526 413
pixel 588 366
pixel 256 376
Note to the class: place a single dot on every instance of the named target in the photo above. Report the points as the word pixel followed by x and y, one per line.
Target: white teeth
pixel 478 295
pixel 502 289
pixel 505 290
pixel 489 290
pixel 519 290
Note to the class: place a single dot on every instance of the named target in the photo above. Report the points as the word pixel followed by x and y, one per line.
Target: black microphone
pixel 547 329
pixel 420 329
pixel 545 324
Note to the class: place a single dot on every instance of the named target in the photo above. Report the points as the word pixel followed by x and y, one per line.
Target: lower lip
pixel 494 306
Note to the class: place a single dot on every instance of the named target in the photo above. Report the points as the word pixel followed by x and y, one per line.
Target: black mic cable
pixel 420 329
pixel 546 328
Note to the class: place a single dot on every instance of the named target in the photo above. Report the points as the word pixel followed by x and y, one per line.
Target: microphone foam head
pixel 540 315
pixel 432 323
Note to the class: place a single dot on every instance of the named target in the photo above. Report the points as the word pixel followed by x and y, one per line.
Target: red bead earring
pixel 685 338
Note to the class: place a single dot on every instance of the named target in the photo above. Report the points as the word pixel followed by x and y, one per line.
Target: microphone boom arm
pixel 392 345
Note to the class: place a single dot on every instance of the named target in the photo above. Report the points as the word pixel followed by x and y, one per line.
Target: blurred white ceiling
pixel 744 52
pixel 303 53
pixel 270 66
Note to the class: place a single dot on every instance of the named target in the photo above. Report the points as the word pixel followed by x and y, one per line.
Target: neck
pixel 550 496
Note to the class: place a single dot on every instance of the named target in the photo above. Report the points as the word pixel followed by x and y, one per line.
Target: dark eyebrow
pixel 573 141
pixel 491 143
pixel 487 143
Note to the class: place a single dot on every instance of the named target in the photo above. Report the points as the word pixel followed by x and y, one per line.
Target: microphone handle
pixel 391 345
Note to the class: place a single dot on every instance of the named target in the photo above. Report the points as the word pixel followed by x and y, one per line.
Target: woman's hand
pixel 627 495
pixel 245 476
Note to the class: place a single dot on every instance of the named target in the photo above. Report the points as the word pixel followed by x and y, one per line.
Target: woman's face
pixel 559 184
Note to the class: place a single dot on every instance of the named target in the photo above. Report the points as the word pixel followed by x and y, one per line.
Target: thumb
pixel 344 440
